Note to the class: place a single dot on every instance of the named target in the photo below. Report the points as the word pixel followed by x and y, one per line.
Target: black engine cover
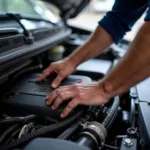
pixel 53 144
pixel 28 97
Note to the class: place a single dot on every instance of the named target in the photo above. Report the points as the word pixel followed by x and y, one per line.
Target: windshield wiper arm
pixel 29 38
pixel 33 18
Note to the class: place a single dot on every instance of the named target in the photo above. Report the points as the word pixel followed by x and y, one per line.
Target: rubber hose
pixel 7 133
pixel 132 112
pixel 14 120
pixel 112 113
pixel 42 131
pixel 112 120
pixel 51 120
pixel 71 130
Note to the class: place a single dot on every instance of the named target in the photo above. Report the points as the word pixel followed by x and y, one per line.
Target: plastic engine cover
pixel 53 144
pixel 27 96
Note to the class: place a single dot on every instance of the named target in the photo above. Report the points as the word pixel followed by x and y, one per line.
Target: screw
pixel 128 142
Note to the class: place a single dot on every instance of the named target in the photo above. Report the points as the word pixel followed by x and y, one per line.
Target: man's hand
pixel 63 68
pixel 98 42
pixel 80 93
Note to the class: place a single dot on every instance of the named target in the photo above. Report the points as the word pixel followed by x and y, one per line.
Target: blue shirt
pixel 123 16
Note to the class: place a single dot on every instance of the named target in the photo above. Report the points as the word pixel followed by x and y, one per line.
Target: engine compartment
pixel 24 106
pixel 26 117
pixel 27 123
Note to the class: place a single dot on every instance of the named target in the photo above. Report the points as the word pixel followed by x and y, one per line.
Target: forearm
pixel 133 67
pixel 98 42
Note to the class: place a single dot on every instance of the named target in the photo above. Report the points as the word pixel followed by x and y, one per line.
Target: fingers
pixel 51 98
pixel 45 73
pixel 58 80
pixel 71 105
pixel 58 92
pixel 63 97
pixel 64 93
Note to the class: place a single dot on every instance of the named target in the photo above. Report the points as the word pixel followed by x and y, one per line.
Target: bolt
pixel 128 142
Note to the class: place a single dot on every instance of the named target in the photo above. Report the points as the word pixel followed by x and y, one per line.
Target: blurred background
pixel 87 19
pixel 95 11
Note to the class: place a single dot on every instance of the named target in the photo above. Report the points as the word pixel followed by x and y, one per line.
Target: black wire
pixel 8 132
pixel 111 147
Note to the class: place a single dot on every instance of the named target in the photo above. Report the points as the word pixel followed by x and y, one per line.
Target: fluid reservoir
pixel 56 53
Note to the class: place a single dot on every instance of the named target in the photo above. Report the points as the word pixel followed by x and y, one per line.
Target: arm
pixel 97 43
pixel 133 67
pixel 112 28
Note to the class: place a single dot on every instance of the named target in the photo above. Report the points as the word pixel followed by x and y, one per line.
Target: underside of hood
pixel 69 8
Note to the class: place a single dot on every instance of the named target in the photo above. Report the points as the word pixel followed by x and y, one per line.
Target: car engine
pixel 27 123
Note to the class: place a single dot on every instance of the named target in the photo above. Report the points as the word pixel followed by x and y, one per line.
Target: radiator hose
pixel 109 119
pixel 94 133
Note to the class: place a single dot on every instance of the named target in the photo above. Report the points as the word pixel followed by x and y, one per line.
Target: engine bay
pixel 27 123
pixel 26 99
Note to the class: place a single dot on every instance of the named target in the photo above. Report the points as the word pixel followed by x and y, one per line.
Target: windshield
pixel 31 8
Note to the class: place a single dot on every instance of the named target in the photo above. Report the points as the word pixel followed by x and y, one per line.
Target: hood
pixel 69 8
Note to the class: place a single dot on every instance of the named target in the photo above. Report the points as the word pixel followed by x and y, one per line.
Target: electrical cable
pixel 42 131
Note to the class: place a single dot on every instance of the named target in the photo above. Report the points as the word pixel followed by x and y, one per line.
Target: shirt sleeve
pixel 147 18
pixel 122 17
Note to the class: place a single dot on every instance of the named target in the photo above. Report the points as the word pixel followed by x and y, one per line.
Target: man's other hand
pixel 80 93
pixel 63 68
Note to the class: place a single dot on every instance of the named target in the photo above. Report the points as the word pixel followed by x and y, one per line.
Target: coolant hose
pixel 70 131
pixel 107 122
pixel 42 131
pixel 75 127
